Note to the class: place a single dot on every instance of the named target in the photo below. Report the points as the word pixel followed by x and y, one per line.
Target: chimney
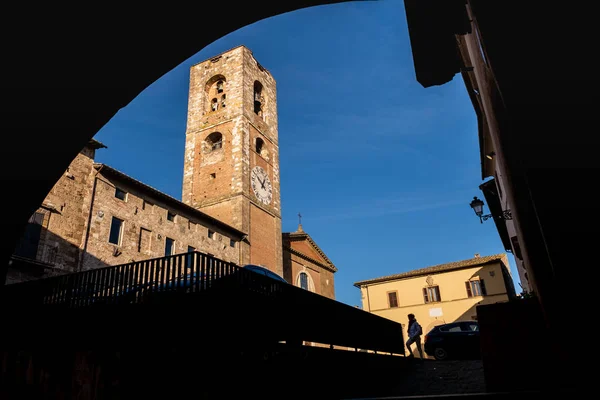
pixel 477 255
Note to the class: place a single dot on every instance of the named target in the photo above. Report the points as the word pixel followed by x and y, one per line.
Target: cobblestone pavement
pixel 430 377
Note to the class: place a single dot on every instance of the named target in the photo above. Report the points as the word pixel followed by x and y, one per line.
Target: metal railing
pixel 232 297
pixel 126 283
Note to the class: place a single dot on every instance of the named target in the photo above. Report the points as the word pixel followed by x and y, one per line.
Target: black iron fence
pixel 228 298
pixel 128 283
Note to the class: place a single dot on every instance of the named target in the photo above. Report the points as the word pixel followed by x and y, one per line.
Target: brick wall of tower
pixel 218 181
pixel 202 121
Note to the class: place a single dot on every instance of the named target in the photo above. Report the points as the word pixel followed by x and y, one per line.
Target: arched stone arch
pixel 259 99
pixel 304 280
pixel 213 142
pixel 261 148
pixel 216 92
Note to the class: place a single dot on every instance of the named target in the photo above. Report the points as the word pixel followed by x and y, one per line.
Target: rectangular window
pixel 231 243
pixel 392 299
pixel 211 234
pixel 116 231
pixel 170 216
pixel 475 288
pixel 169 247
pixel 144 242
pixel 120 194
pixel 431 294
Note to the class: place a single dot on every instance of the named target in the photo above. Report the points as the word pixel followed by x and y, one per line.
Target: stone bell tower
pixel 231 166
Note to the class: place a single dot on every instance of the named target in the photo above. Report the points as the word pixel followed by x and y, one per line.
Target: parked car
pixel 186 283
pixel 457 340
pixel 264 271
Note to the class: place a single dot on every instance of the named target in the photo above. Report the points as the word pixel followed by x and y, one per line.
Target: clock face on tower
pixel 261 185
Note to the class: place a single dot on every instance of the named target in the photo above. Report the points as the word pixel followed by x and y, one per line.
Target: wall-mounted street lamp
pixel 477 206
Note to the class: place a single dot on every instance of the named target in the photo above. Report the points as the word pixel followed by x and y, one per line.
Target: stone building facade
pixel 97 216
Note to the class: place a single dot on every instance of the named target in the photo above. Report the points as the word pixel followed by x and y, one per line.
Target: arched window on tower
pixel 215 92
pixel 214 141
pixel 261 149
pixel 258 98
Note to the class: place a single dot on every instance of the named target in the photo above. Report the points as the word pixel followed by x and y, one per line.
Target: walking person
pixel 414 335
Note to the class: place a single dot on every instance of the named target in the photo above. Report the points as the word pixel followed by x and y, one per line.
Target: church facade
pixel 230 206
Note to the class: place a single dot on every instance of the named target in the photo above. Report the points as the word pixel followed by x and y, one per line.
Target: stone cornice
pixel 314 261
pixel 301 235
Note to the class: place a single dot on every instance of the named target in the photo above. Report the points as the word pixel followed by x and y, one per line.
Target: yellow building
pixel 439 294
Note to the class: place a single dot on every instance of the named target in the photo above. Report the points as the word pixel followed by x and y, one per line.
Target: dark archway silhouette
pixel 67 73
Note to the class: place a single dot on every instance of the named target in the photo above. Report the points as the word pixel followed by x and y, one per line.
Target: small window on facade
pixel 120 194
pixel 431 294
pixel 220 87
pixel 223 101
pixel 259 145
pixel 475 288
pixel 214 105
pixel 214 141
pixel 393 299
pixel 304 280
pixel 231 243
pixel 258 98
pixel 116 231
pixel 211 234
pixel 170 216
pixel 169 247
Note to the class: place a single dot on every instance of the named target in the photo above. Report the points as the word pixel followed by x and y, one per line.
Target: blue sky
pixel 381 169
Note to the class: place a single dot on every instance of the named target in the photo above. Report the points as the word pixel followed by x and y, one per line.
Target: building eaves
pixel 435 269
pixel 298 236
pixel 300 254
pixel 176 204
